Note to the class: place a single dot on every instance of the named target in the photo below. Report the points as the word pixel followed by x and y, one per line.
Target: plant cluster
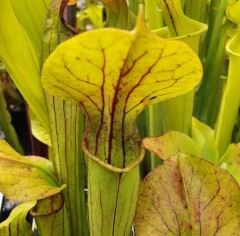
pixel 153 65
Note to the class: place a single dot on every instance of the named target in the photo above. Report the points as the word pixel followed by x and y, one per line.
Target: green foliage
pixel 227 114
pixel 122 86
pixel 230 161
pixel 113 74
pixel 21 60
pixel 203 135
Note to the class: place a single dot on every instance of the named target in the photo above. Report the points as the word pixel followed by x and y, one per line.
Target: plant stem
pixel 207 97
pixel 133 6
pixel 196 9
pixel 213 13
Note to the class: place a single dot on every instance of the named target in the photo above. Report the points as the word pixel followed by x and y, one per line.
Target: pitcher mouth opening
pixel 233 47
pixel 111 167
pixel 200 28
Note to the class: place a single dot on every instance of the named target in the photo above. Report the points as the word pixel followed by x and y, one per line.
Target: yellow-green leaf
pixel 113 75
pixel 203 136
pixel 21 60
pixel 188 196
pixel 230 161
pixel 170 144
pixel 31 15
pixel 25 178
pixel 38 130
pixel 16 224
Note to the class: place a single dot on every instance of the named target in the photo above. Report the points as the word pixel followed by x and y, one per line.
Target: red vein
pixel 116 204
pixel 103 102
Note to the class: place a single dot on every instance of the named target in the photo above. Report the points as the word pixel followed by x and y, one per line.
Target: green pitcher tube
pixel 176 113
pixel 231 98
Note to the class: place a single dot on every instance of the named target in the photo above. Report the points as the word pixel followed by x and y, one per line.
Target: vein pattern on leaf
pixel 188 196
pixel 26 178
pixel 113 75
